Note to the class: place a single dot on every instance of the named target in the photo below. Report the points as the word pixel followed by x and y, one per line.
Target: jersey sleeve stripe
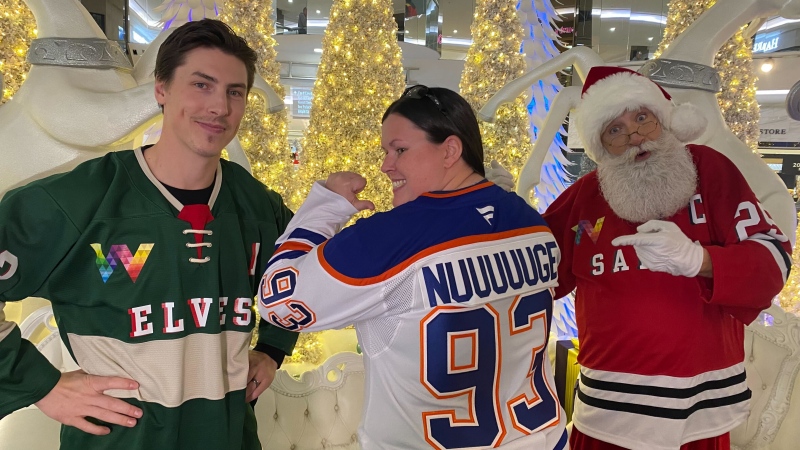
pixel 293 245
pixel 449 194
pixel 781 258
pixel 398 268
pixel 285 255
pixel 306 235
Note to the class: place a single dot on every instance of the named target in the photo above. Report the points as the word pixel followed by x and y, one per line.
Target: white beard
pixel 655 188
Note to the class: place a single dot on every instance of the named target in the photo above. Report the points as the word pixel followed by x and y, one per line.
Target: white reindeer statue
pixel 81 98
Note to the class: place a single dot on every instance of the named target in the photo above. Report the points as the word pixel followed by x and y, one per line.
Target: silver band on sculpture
pixel 793 102
pixel 78 52
pixel 681 74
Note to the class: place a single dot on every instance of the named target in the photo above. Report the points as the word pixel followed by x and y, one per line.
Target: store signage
pixel 565 30
pixel 775 125
pixel 301 102
pixel 766 45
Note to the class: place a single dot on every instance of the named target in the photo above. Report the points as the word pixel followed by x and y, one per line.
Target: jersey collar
pixel 160 186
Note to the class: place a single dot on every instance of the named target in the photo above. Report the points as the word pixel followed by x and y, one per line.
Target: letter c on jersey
pixel 8 258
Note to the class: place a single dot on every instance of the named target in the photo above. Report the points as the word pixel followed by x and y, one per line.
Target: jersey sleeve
pixel 275 342
pixel 35 234
pixel 751 263
pixel 300 290
pixel 557 217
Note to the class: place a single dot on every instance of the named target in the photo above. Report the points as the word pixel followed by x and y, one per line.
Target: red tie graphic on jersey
pixel 197 216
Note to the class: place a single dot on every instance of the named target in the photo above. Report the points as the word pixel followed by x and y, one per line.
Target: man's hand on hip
pixel 78 395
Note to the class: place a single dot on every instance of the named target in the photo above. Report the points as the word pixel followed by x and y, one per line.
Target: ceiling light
pixel 455 31
pixel 767 65
pixel 318 12
pixel 317 50
pixel 650 38
pixel 611 29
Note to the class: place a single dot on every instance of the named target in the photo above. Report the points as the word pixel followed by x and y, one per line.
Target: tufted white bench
pixel 322 409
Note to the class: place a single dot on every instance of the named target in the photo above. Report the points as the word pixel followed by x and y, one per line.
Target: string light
pixel 734 61
pixel 492 61
pixel 17 30
pixel 264 137
pixel 360 74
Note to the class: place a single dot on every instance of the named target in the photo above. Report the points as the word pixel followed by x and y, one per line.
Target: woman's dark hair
pixel 206 33
pixel 442 113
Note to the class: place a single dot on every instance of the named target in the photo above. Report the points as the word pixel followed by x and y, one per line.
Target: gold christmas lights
pixel 17 30
pixel 263 136
pixel 737 99
pixel 492 61
pixel 359 76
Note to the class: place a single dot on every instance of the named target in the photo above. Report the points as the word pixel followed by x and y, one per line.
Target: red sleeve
pixel 557 217
pixel 751 261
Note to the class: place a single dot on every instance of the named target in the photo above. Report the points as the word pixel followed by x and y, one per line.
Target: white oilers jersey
pixel 451 296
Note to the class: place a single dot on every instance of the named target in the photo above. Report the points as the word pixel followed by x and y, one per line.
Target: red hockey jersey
pixel 662 355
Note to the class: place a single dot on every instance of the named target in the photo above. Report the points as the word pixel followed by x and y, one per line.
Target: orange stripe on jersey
pixel 293 245
pixel 467 240
pixel 458 192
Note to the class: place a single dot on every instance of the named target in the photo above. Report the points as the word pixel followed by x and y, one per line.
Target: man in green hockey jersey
pixel 151 259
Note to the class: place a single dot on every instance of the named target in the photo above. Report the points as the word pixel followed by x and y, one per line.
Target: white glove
pixel 498 175
pixel 662 247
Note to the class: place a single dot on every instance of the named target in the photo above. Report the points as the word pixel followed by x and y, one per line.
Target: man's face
pixel 631 129
pixel 204 103
pixel 652 180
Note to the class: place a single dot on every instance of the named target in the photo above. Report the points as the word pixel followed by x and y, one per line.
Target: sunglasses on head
pixel 420 91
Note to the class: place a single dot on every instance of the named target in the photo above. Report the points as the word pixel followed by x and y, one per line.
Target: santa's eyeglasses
pixel 644 130
pixel 420 91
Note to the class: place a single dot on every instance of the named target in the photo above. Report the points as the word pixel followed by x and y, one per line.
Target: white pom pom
pixel 687 123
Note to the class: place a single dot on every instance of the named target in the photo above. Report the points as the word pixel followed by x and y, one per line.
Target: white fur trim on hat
pixel 610 97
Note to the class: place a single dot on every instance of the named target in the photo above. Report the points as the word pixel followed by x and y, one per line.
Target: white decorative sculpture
pixel 773 374
pixel 80 99
pixel 685 71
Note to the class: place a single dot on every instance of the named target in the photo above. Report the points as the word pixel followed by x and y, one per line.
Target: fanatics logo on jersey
pixel 8 265
pixel 592 231
pixel 487 212
pixel 133 263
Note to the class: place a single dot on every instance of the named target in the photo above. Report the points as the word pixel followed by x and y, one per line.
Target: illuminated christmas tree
pixel 17 30
pixel 737 98
pixel 359 76
pixel 493 60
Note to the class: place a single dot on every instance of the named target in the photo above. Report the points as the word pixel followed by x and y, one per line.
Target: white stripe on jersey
pixel 773 246
pixel 660 412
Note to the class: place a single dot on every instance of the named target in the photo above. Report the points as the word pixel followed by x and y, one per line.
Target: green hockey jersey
pixel 143 288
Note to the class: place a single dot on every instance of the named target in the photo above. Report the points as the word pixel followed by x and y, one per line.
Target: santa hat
pixel 608 92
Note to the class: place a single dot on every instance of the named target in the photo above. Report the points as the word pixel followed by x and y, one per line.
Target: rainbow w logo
pixel 120 254
pixel 584 226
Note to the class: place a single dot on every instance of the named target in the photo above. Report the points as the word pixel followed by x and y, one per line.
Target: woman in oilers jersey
pixel 450 291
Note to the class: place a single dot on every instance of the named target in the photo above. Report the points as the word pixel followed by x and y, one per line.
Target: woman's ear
pixel 453 149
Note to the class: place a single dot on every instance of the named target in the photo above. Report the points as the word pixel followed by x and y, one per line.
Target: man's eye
pixel 400 150
pixel 614 130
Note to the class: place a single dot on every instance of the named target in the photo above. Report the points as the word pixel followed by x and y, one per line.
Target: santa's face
pixel 651 179
pixel 631 129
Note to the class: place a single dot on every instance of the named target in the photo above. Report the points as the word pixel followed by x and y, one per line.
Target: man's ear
pixel 161 92
pixel 453 149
